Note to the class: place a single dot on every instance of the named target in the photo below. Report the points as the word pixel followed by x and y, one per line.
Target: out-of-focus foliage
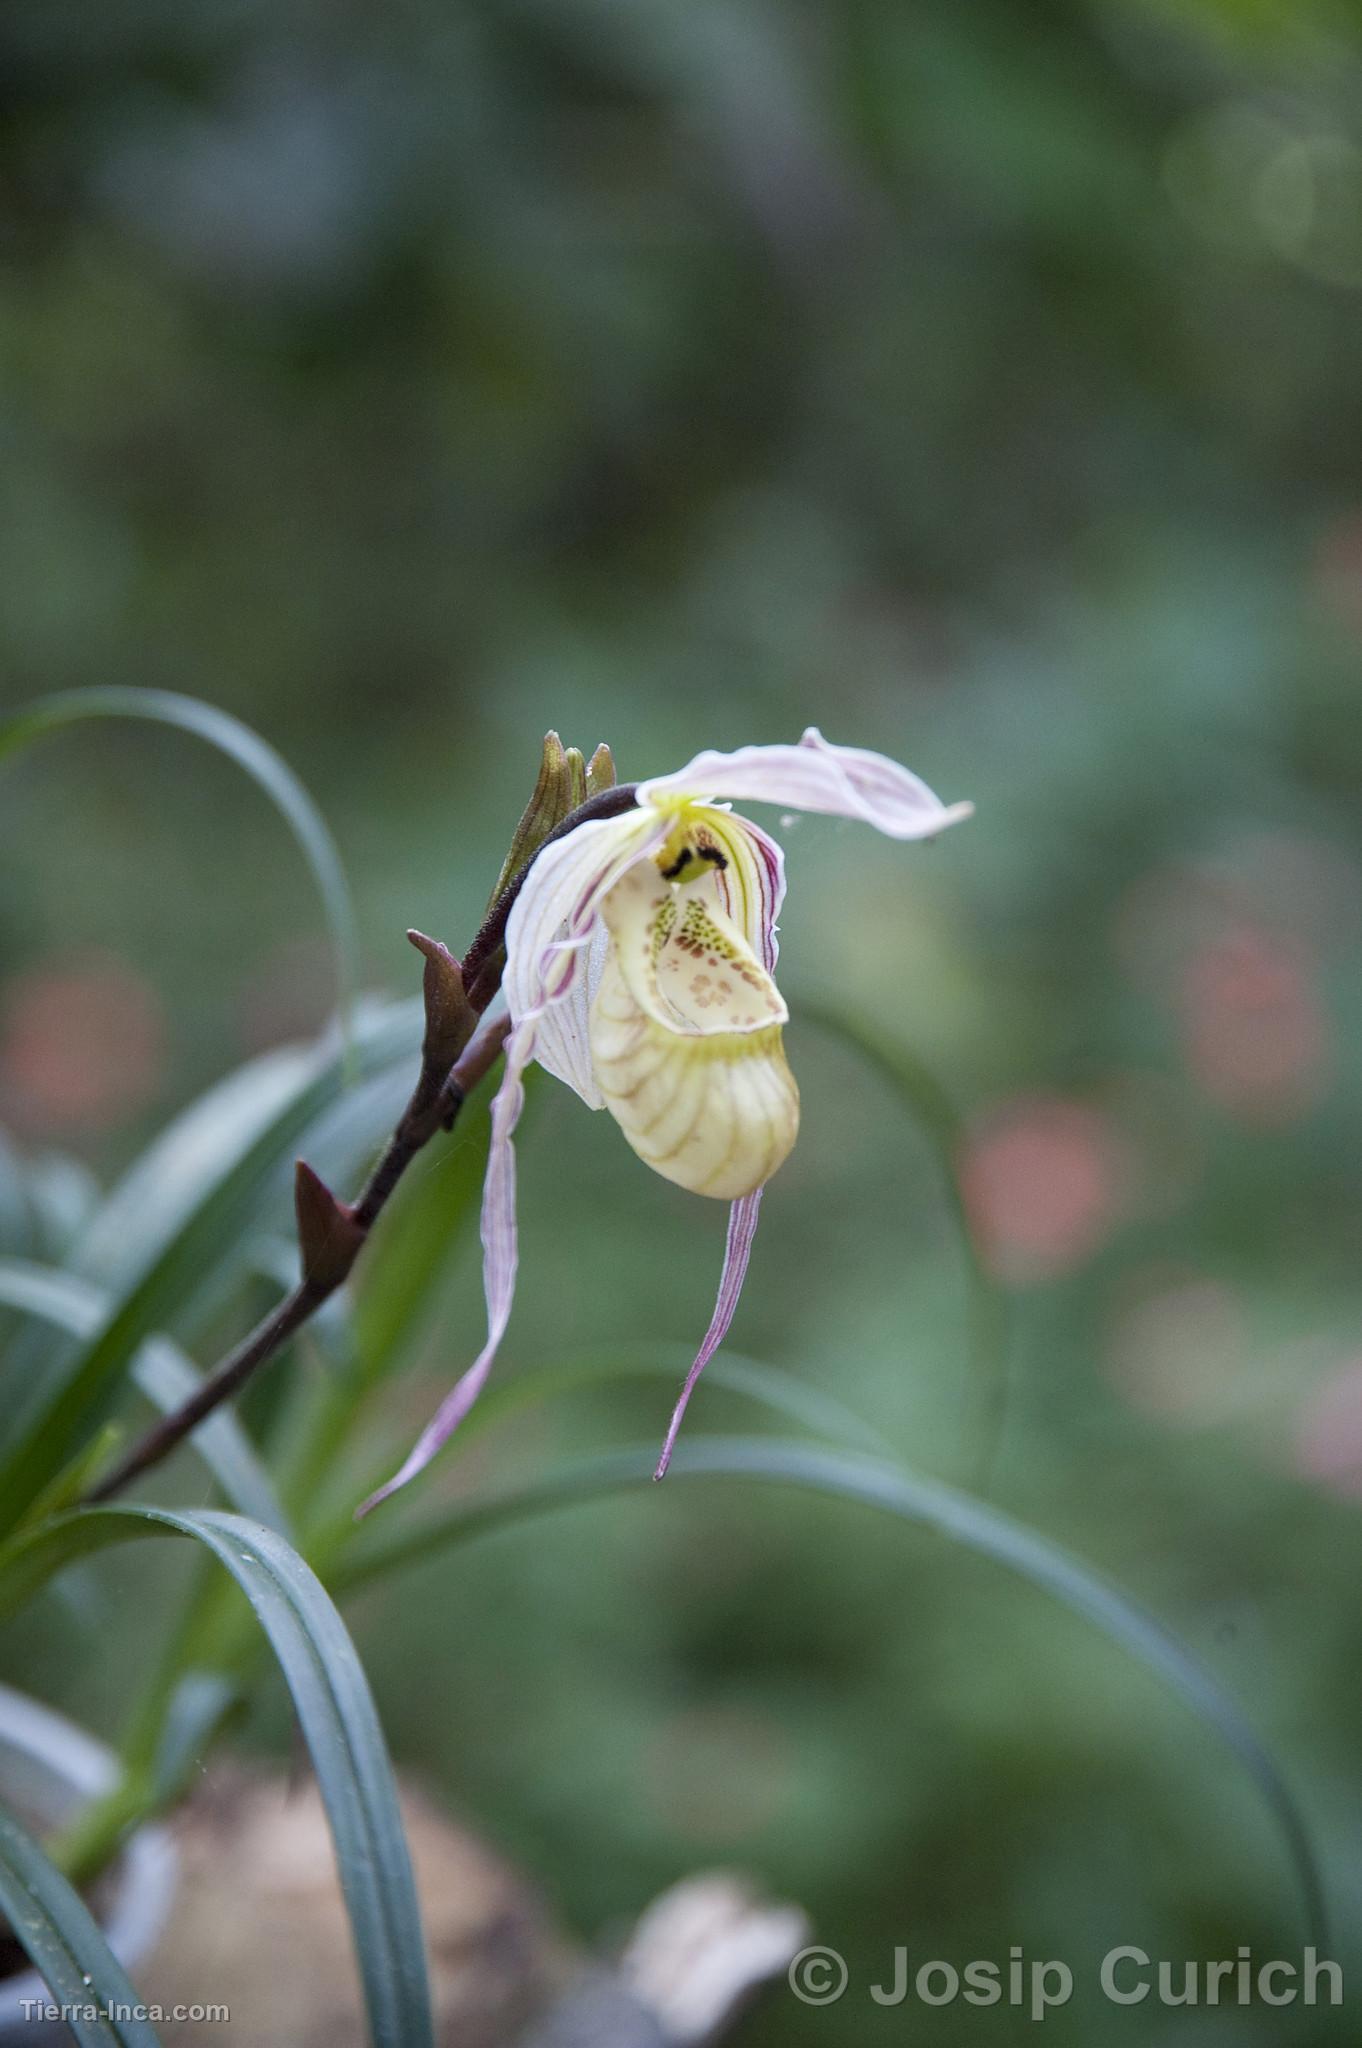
pixel 980 382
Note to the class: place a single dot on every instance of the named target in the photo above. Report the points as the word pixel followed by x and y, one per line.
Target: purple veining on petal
pixel 848 782
pixel 773 890
pixel 751 887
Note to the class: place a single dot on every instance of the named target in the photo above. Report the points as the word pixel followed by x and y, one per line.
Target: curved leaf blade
pixel 214 1221
pixel 877 1483
pixel 54 1927
pixel 770 1386
pixel 162 1372
pixel 198 1148
pixel 336 1714
pixel 267 769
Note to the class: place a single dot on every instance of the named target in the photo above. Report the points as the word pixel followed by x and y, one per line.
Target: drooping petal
pixel 845 782
pixel 742 1228
pixel 686 1040
pixel 499 1261
pixel 553 922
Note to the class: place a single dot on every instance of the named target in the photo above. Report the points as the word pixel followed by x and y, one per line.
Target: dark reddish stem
pixel 424 1115
pixel 332 1234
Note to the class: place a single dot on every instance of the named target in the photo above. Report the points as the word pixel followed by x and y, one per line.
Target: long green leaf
pixel 770 1386
pixel 64 1194
pixel 879 1484
pixel 61 1940
pixel 335 1712
pixel 239 743
pixel 216 1219
pixel 69 1486
pixel 198 1148
pixel 162 1372
pixel 420 1232
pixel 250 1121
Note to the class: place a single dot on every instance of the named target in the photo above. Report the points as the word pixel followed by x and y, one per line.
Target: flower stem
pixel 434 1104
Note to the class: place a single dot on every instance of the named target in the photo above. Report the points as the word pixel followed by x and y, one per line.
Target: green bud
pixel 548 806
pixel 600 771
pixel 576 765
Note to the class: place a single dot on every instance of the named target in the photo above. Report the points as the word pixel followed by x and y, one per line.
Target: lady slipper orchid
pixel 640 958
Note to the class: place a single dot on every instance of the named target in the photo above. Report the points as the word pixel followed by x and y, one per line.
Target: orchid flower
pixel 640 958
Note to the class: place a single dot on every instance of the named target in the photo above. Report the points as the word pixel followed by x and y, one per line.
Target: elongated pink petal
pixel 500 1256
pixel 844 782
pixel 742 1228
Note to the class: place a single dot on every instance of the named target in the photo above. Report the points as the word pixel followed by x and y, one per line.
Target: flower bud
pixel 600 771
pixel 549 804
pixel 576 766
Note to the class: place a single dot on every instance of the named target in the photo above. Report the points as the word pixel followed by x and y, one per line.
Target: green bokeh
pixel 980 383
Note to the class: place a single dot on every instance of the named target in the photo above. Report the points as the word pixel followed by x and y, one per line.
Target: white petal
pixel 845 782
pixel 562 1042
pixel 553 922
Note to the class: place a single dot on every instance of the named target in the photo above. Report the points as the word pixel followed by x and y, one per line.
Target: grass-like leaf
pixel 420 1230
pixel 162 1372
pixel 335 1713
pixel 53 1926
pixel 239 743
pixel 212 1219
pixel 877 1483
pixel 188 1157
pixel 769 1386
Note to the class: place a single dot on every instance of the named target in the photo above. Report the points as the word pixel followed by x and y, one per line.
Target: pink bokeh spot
pixel 1233 945
pixel 1042 1180
pixel 1328 1446
pixel 1337 571
pixel 81 1048
pixel 1255 1033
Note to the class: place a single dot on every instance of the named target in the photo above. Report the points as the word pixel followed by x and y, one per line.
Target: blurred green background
pixel 980 383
